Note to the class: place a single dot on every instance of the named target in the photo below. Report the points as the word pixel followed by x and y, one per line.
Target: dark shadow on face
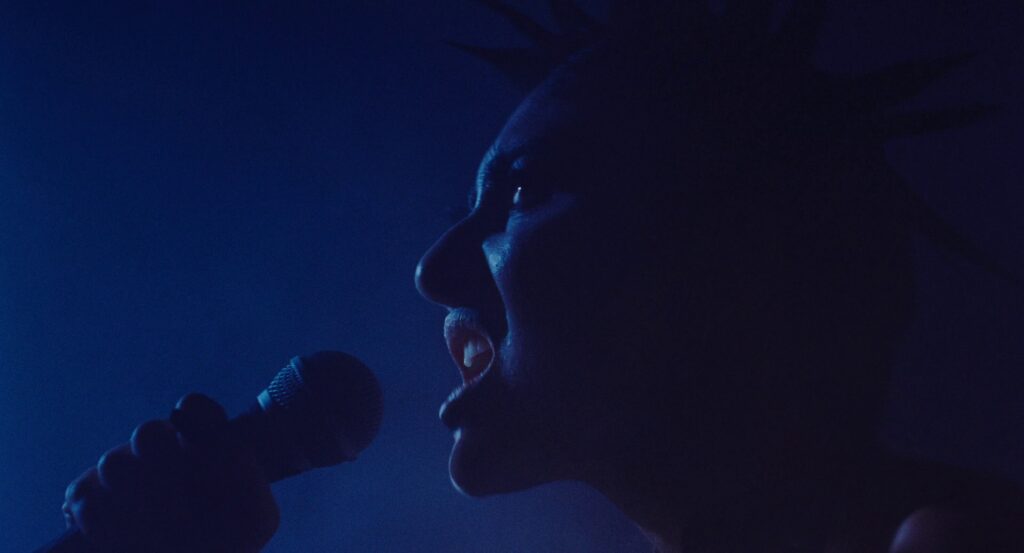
pixel 665 276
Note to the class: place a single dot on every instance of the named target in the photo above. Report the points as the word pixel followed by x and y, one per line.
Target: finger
pixel 69 519
pixel 92 516
pixel 202 408
pixel 163 465
pixel 199 419
pixel 87 504
pixel 155 440
pixel 87 483
pixel 118 469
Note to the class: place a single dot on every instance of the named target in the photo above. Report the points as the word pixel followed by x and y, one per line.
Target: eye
pixel 530 187
pixel 527 197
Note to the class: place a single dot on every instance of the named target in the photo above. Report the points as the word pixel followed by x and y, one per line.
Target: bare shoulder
pixel 964 512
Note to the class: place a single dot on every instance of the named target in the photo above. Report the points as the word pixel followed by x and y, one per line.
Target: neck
pixel 777 504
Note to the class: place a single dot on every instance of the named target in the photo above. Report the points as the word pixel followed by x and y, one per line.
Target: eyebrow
pixel 496 164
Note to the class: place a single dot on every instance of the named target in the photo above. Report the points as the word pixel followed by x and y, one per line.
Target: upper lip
pixel 465 335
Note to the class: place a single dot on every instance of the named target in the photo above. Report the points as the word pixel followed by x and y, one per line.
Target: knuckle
pixel 202 406
pixel 82 486
pixel 199 419
pixel 154 438
pixel 89 512
pixel 69 517
pixel 116 466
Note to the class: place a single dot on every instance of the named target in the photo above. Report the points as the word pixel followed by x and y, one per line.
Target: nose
pixel 454 272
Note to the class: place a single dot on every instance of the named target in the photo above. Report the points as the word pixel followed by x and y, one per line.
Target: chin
pixel 481 467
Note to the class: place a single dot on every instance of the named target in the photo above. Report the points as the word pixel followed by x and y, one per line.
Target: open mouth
pixel 469 344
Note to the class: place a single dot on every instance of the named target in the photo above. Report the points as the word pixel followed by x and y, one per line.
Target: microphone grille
pixel 334 402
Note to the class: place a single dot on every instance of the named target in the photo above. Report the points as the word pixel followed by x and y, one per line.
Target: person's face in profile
pixel 554 286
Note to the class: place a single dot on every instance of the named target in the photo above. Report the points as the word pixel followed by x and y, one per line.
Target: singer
pixel 684 271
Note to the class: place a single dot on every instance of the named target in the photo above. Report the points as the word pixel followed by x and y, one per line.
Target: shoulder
pixel 942 529
pixel 964 511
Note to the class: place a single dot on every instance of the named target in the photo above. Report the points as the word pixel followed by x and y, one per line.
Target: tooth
pixel 471 350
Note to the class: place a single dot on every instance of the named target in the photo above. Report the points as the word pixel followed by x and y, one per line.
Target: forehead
pixel 544 121
pixel 543 114
pixel 578 124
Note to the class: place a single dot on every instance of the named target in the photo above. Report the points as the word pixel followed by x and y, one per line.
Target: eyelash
pixel 516 202
pixel 456 213
pixel 525 196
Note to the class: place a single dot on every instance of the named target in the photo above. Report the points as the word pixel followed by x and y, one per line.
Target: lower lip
pixel 449 409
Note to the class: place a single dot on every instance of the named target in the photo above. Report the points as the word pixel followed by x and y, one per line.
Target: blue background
pixel 193 192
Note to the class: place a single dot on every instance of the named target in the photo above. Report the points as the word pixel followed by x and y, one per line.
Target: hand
pixel 175 487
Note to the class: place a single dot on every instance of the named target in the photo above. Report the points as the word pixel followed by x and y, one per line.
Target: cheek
pixel 561 282
pixel 552 267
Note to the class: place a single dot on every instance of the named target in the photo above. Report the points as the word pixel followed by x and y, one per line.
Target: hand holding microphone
pixel 173 488
pixel 200 483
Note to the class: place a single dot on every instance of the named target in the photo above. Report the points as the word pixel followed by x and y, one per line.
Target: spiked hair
pixel 743 37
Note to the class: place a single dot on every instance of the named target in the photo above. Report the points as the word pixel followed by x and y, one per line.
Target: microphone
pixel 320 410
